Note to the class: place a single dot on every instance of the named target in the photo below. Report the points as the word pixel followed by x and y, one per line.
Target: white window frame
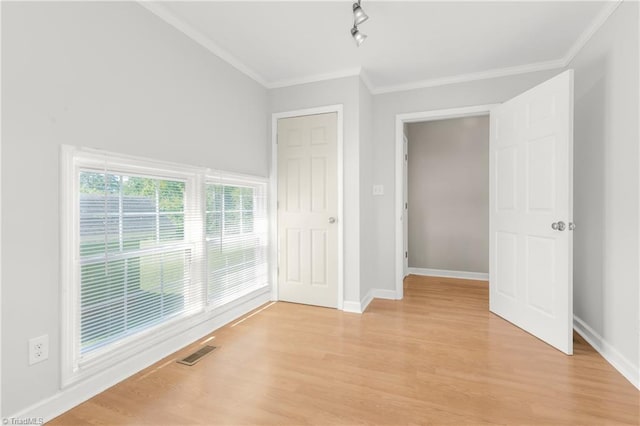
pixel 77 367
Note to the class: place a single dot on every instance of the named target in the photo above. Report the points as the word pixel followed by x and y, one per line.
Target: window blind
pixel 236 238
pixel 137 253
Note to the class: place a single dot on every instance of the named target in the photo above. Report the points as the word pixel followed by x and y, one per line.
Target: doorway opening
pixel 402 229
pixel 447 218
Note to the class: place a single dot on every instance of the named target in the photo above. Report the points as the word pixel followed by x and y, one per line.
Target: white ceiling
pixel 410 44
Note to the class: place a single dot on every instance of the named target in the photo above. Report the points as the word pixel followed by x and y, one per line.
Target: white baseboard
pixel 76 394
pixel 374 293
pixel 352 307
pixel 482 276
pixel 609 353
pixel 378 293
pixel 366 300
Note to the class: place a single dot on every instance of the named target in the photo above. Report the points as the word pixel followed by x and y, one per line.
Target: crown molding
pixel 586 35
pixel 170 18
pixel 595 25
pixel 349 72
pixel 366 80
pixel 464 78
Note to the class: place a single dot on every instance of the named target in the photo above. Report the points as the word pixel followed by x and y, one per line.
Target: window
pixel 134 257
pixel 151 248
pixel 236 234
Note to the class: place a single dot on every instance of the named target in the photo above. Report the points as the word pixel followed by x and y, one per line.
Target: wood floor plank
pixel 437 357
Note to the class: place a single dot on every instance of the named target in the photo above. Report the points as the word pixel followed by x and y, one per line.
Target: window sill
pixel 153 337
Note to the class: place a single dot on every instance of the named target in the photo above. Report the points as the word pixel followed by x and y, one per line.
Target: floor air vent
pixel 197 355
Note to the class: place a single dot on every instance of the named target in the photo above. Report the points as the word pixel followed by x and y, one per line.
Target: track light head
pixel 357 35
pixel 358 14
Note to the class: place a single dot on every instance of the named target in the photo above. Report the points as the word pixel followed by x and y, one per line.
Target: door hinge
pixel 406 254
pixel 277 204
pixel 406 206
pixel 406 157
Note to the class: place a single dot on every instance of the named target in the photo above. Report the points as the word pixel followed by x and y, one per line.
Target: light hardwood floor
pixel 436 357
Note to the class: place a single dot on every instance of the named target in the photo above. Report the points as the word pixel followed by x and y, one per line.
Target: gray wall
pixel 449 194
pixel 367 219
pixel 102 75
pixel 606 184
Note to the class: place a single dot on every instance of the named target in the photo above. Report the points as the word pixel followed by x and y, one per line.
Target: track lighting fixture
pixel 358 14
pixel 357 35
pixel 358 18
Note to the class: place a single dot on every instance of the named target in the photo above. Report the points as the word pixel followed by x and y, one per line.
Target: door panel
pixel 292 198
pixel 319 255
pixel 307 198
pixel 541 174
pixel 506 263
pixel 292 253
pixel 319 184
pixel 540 254
pixel 506 178
pixel 531 154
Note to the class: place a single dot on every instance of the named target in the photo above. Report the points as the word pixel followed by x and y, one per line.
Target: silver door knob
pixel 572 226
pixel 558 226
pixel 332 220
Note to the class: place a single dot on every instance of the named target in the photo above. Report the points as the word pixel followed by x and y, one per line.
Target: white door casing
pixel 401 237
pixel 405 196
pixel 531 181
pixel 307 211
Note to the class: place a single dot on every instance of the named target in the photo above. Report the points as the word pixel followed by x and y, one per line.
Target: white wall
pixel 385 109
pixel 606 185
pixel 448 186
pixel 343 91
pixel 105 75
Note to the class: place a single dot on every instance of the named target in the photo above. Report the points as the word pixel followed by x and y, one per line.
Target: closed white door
pixel 531 201
pixel 307 210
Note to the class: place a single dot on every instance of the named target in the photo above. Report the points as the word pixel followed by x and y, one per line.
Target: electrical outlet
pixel 38 349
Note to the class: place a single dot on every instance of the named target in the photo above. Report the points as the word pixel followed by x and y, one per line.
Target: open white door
pixel 531 201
